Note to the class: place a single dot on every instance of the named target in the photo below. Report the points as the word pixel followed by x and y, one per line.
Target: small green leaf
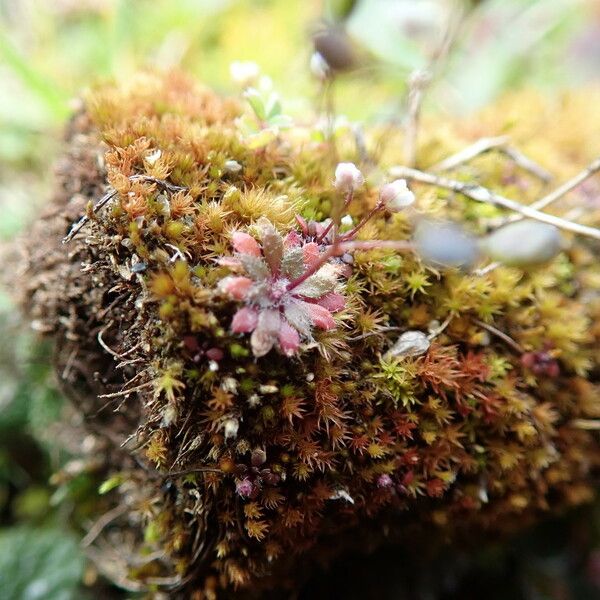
pixel 256 102
pixel 110 484
pixel 273 106
pixel 260 139
pixel 44 564
pixel 281 121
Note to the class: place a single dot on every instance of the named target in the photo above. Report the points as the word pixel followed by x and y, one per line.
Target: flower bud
pixel 410 343
pixel 348 177
pixel 245 488
pixel 244 73
pixel 230 428
pixel 396 195
pixel 319 67
pixel 384 481
pixel 259 457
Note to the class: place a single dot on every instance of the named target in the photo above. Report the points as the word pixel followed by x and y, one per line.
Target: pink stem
pixel 327 229
pixel 401 245
pixel 331 251
pixel 348 236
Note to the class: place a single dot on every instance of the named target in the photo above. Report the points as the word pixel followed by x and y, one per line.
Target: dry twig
pixel 487 144
pixel 482 194
pixel 420 80
pixel 500 334
pixel 565 188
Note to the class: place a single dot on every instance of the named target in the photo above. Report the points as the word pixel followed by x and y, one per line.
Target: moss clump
pixel 234 470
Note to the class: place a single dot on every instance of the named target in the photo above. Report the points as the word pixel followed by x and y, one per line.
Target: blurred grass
pixel 49 51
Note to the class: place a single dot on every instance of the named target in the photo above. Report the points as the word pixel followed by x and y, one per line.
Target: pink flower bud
pixel 384 481
pixel 244 488
pixel 215 354
pixel 347 177
pixel 396 195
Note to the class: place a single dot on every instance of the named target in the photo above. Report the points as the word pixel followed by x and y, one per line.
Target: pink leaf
pixel 245 243
pixel 229 261
pixel 332 302
pixel 272 244
pixel 267 331
pixel 321 317
pixel 292 239
pixel 303 224
pixel 235 287
pixel 244 320
pixel 311 254
pixel 289 339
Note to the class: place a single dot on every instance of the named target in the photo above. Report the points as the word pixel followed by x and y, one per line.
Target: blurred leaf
pixel 47 91
pixel 378 25
pixel 44 564
pixel 110 484
pixel 257 103
pixel 261 139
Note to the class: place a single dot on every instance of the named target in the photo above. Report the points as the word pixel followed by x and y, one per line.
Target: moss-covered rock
pixel 242 452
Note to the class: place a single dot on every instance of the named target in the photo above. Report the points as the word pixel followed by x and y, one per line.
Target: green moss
pixel 265 452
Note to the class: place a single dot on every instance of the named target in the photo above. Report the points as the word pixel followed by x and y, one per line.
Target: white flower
pixel 318 66
pixel 230 428
pixel 244 72
pixel 347 221
pixel 396 195
pixel 232 166
pixel 153 156
pixel 348 177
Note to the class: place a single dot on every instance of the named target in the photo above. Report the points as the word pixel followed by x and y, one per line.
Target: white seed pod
pixel 230 428
pixel 347 221
pixel 170 415
pixel 153 156
pixel 410 343
pixel 524 243
pixel 319 67
pixel 232 166
pixel 229 385
pixel 445 244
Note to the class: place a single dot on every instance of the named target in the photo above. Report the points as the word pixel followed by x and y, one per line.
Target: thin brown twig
pixel 486 144
pixel 526 163
pixel 482 194
pixel 588 424
pixel 127 391
pixel 467 154
pixel 565 188
pixel 99 526
pixel 500 334
pixel 420 81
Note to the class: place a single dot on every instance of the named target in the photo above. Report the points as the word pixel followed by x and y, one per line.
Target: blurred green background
pixel 52 49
